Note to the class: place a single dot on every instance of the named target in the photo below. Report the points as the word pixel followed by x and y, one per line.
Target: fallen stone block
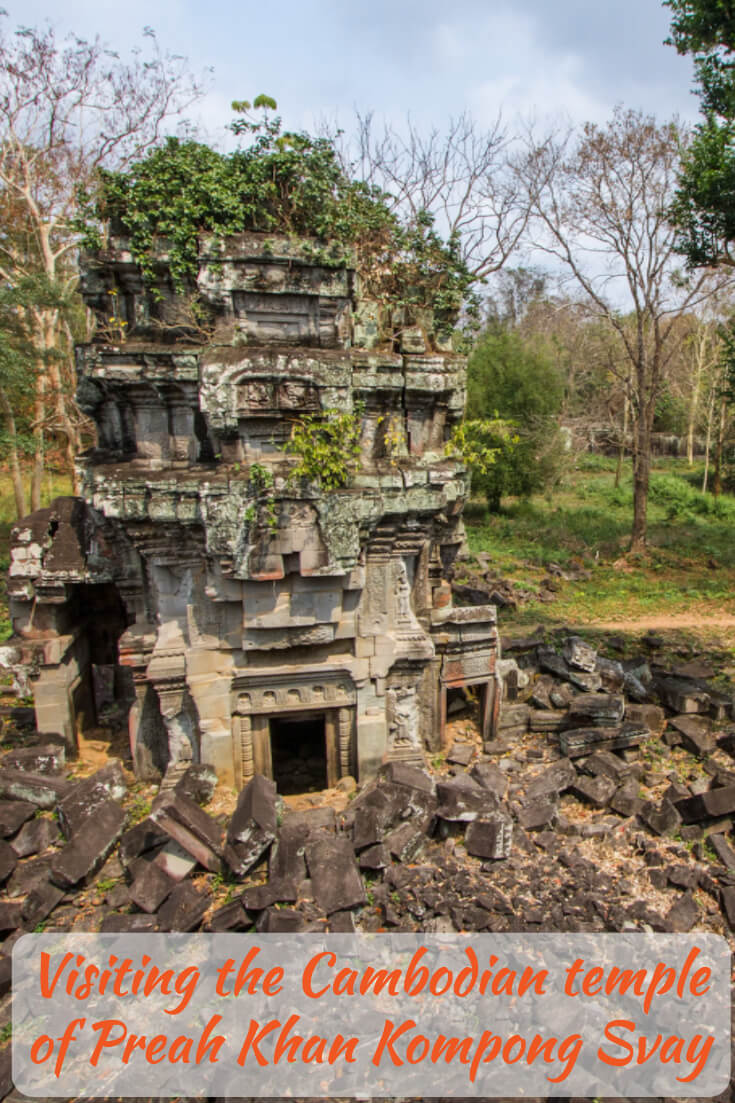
pixel 538 815
pixel 253 825
pixel 553 781
pixel 198 783
pixel 596 791
pixel 174 861
pixel 727 900
pixel 540 698
pixel 280 921
pixel 460 754
pixel 490 837
pixel 462 799
pixel 39 904
pixel 142 836
pixel 411 792
pixel 611 673
pixel 374 857
pixel 551 663
pixel 490 777
pixel 341 923
pixel 48 758
pixel 13 814
pixel 575 742
pixel 652 717
pixel 607 764
pixel 405 843
pixel 335 878
pixel 596 710
pixel 35 835
pixel 663 818
pixel 8 860
pixel 724 851
pixel 190 826
pixel 150 888
pixel 625 800
pixel 183 909
pixel 709 805
pixel 513 716
pixel 588 683
pixel 374 815
pixel 41 790
pixel 86 797
pixel 682 915
pixel 696 733
pixel 10 915
pixel 579 654
pixel 543 721
pixel 230 917
pixel 89 846
pixel 683 695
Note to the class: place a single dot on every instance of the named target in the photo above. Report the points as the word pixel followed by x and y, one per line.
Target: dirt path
pixel 657 623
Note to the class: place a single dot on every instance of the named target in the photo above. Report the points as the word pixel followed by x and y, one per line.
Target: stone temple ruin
pixel 289 631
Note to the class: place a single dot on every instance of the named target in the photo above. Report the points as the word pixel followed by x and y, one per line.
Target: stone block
pixel 575 742
pixel 490 837
pixel 405 843
pixel 462 799
pixel 579 654
pixel 190 826
pixel 13 814
pixel 35 836
pixel 696 733
pixel 183 909
pixel 490 777
pixel 8 860
pixel 335 878
pixel 253 825
pixel 596 791
pixel 150 888
pixel 596 710
pixel 709 805
pixel 41 790
pixel 86 797
pixel 49 758
pixel 552 782
pixel 89 846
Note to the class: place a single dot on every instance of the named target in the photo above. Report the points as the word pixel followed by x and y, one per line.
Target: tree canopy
pixel 704 208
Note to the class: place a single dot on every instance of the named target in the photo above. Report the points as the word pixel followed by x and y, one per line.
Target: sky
pixel 430 58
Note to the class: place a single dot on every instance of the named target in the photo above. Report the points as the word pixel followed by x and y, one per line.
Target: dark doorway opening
pixel 299 753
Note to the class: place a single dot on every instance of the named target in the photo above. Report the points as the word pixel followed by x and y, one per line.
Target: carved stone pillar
pixel 242 735
pixel 344 736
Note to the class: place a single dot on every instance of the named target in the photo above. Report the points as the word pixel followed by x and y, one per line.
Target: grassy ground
pixel 689 567
pixel 53 485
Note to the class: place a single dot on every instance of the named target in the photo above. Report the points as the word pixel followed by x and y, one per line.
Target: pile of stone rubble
pixel 606 803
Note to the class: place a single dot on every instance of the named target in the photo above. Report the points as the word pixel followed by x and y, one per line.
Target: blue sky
pixel 433 59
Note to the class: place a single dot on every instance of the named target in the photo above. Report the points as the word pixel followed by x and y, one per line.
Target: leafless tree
pixel 67 110
pixel 461 176
pixel 600 198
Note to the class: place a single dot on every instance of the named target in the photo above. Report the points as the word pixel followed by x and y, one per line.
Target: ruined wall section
pixel 243 604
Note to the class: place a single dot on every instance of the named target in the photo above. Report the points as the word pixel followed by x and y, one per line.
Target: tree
pixel 704 207
pixel 461 178
pixel 600 202
pixel 66 111
pixel 516 381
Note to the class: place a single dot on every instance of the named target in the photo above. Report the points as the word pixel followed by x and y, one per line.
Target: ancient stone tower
pixel 238 616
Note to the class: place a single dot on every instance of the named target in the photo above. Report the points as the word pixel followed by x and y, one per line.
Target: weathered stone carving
pixel 225 610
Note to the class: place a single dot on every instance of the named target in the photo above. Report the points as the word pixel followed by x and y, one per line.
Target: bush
pixel 516 380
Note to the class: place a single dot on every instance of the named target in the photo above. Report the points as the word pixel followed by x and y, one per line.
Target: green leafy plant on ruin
pixel 327 446
pixel 280 182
